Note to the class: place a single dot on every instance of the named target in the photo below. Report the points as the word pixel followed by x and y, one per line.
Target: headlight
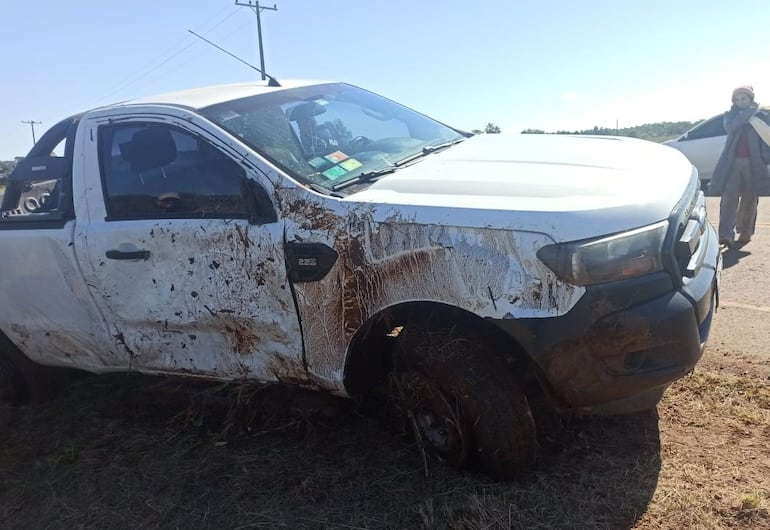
pixel 617 257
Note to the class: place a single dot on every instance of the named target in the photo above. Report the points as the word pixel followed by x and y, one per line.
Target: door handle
pixel 128 254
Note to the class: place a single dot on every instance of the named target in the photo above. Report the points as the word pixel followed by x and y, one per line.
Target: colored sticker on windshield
pixel 350 164
pixel 318 162
pixel 334 173
pixel 336 156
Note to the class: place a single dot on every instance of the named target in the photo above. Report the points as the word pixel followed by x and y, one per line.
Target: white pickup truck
pixel 320 235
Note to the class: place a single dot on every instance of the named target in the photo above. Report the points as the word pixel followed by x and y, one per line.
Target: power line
pixel 258 9
pixel 150 67
pixel 32 124
pixel 148 72
pixel 185 61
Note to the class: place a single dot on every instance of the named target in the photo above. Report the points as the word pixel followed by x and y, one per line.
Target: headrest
pixel 149 148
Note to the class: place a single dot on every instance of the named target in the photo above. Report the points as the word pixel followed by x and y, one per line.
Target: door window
pixel 38 190
pixel 159 171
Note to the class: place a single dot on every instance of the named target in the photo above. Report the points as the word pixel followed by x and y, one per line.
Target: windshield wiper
pixel 428 149
pixel 365 177
pixel 371 175
pixel 323 190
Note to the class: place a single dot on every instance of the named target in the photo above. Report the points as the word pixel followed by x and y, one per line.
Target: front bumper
pixel 624 342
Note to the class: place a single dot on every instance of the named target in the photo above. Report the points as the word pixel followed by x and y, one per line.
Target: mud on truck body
pixel 320 235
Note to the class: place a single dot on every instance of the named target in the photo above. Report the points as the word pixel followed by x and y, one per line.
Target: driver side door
pixel 186 257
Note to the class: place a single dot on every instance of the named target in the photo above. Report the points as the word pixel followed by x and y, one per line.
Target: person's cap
pixel 746 89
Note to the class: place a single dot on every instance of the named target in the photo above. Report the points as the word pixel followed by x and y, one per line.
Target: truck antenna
pixel 272 80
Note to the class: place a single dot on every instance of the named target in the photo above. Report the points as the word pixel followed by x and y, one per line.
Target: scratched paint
pixel 213 297
pixel 572 366
pixel 387 257
pixel 214 300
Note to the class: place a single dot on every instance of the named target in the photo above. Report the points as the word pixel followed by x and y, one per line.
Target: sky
pixel 547 64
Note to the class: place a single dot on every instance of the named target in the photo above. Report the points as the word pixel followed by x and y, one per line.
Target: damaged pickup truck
pixel 319 235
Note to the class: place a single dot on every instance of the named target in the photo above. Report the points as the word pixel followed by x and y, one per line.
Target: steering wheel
pixel 169 202
pixel 359 143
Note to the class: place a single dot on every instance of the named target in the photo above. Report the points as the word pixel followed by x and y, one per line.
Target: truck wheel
pixel 461 404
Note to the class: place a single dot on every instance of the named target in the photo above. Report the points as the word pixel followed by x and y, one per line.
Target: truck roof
pixel 201 97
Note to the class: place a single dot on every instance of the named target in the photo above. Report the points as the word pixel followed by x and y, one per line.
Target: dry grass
pixel 715 453
pixel 119 452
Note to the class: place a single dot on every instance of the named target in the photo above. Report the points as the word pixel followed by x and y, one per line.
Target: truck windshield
pixel 332 135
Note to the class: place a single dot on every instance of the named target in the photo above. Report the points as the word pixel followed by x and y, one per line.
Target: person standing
pixel 741 169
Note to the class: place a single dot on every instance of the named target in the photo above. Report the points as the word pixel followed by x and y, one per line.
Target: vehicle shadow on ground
pixel 118 451
pixel 733 255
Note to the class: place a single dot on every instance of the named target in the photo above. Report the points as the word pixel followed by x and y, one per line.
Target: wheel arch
pixel 35 382
pixel 369 354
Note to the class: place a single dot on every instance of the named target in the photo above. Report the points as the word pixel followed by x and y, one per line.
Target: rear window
pixel 39 190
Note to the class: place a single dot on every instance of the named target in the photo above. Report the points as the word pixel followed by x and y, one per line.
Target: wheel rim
pixel 436 419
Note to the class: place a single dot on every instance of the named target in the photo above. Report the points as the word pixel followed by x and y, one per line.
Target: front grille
pixel 684 244
pixel 690 246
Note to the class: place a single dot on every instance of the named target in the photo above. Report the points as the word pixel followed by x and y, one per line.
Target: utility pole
pixel 32 124
pixel 258 9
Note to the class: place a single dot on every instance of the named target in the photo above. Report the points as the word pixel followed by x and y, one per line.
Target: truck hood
pixel 570 187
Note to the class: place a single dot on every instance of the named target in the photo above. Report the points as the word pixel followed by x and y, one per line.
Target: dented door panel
pixel 212 297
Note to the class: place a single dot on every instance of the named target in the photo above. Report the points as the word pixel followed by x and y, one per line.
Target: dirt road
pixel 742 326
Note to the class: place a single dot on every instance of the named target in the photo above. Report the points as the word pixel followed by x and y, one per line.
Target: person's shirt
pixel 742 146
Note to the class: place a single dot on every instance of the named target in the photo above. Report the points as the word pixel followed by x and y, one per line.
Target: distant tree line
pixel 5 169
pixel 657 132
pixel 490 128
